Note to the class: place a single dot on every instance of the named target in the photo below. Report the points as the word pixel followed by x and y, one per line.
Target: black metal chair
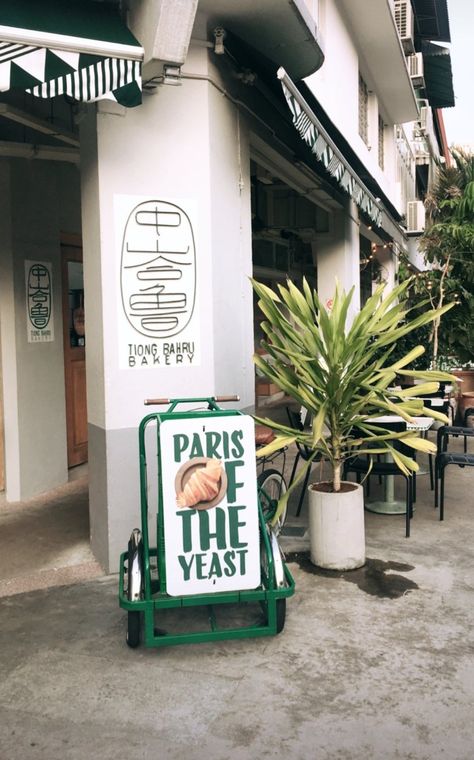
pixel 445 458
pixel 303 452
pixel 360 465
pixel 469 412
pixel 444 409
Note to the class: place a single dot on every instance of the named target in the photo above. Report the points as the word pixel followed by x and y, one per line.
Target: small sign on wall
pixel 158 315
pixel 210 507
pixel 39 301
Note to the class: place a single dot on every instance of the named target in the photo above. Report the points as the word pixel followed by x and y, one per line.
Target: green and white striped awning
pixel 79 48
pixel 324 150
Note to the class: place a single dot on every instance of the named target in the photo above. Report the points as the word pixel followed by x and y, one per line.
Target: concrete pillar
pixel 33 370
pixel 8 340
pixel 338 256
pixel 185 147
pixel 388 263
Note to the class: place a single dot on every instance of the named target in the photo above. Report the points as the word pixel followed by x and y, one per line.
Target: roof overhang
pixel 284 31
pixel 79 48
pixel 438 75
pixel 432 20
pixel 325 150
pixel 341 167
pixel 380 50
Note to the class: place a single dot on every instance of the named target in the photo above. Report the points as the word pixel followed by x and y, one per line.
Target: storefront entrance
pixel 74 352
pixel 2 444
pixel 285 226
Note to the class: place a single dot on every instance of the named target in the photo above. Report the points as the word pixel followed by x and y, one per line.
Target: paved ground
pixel 373 664
pixel 45 540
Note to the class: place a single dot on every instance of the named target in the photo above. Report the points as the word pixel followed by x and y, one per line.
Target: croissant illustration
pixel 203 485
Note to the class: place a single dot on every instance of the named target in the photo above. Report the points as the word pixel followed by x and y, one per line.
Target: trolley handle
pixel 202 399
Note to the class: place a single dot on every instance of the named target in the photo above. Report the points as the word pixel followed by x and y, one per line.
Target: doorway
pixel 74 339
pixel 2 445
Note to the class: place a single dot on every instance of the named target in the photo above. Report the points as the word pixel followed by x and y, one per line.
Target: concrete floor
pixel 45 540
pixel 374 663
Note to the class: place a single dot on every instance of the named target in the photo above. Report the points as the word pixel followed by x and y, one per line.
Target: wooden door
pixel 2 447
pixel 74 354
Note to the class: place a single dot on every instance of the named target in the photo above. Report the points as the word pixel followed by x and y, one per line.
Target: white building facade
pixel 266 144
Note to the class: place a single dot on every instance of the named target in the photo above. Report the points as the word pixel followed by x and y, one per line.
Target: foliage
pixel 342 373
pixel 448 244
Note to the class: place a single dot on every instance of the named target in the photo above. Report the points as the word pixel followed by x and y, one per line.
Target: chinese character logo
pixel 39 296
pixel 158 273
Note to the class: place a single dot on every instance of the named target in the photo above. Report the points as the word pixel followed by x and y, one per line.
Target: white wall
pixel 336 87
pixel 181 144
pixel 231 237
pixel 184 145
pixel 337 256
pixel 8 338
pixel 42 198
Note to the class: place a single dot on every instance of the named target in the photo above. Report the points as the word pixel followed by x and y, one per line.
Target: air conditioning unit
pixel 424 118
pixel 415 69
pixel 415 217
pixel 405 21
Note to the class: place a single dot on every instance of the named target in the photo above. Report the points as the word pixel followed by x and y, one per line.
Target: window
pixel 363 110
pixel 381 143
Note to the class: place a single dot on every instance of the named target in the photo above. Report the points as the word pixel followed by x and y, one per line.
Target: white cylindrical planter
pixel 336 528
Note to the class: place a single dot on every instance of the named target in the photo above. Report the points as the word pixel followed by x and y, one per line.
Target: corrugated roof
pixel 432 20
pixel 438 75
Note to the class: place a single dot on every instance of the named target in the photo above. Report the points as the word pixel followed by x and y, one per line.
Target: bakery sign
pixel 209 501
pixel 39 301
pixel 157 307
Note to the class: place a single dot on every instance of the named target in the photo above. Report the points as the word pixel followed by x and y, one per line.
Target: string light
pixel 390 245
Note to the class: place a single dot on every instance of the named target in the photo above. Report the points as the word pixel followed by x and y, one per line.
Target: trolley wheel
pixel 135 586
pixel 280 614
pixel 271 486
pixel 133 628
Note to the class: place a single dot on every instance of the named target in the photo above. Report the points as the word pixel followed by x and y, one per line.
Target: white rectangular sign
pixel 210 506
pixel 39 301
pixel 157 303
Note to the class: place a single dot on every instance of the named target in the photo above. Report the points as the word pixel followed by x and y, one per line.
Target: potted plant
pixel 341 373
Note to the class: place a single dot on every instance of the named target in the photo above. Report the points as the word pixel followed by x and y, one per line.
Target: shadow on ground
pixel 377 577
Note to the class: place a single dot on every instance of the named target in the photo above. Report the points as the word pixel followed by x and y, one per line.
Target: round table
pixel 389 505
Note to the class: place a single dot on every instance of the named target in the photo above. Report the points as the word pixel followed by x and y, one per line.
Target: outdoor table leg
pixel 388 505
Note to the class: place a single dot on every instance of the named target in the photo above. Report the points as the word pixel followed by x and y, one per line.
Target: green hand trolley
pixel 216 550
